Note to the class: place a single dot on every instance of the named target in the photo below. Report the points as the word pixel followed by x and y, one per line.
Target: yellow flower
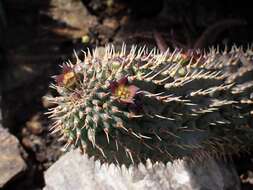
pixel 123 90
pixel 67 78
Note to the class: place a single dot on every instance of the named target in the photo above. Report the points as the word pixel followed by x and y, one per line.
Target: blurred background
pixel 36 36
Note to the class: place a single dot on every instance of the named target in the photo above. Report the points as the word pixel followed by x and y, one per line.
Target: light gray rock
pixel 76 172
pixel 1 117
pixel 11 162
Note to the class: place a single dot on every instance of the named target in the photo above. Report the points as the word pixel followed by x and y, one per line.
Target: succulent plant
pixel 127 106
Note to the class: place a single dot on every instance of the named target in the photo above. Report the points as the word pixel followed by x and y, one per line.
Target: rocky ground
pixel 36 36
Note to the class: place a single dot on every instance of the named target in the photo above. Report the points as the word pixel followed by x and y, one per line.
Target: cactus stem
pixel 171 97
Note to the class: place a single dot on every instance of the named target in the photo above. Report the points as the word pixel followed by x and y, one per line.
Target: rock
pixel 107 30
pixel 32 143
pixel 74 16
pixel 111 23
pixel 35 125
pixel 85 39
pixel 248 178
pixel 1 117
pixel 27 143
pixel 75 171
pixel 11 162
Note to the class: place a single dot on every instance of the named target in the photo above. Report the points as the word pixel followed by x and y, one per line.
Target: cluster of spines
pixel 173 86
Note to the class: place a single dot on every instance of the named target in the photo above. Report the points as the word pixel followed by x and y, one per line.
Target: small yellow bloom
pixel 123 90
pixel 69 79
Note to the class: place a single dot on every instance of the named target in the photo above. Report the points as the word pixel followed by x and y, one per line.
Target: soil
pixel 34 44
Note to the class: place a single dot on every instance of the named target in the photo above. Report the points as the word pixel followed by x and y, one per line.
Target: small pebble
pixel 111 23
pixel 34 125
pixel 27 143
pixel 41 157
pixel 85 39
